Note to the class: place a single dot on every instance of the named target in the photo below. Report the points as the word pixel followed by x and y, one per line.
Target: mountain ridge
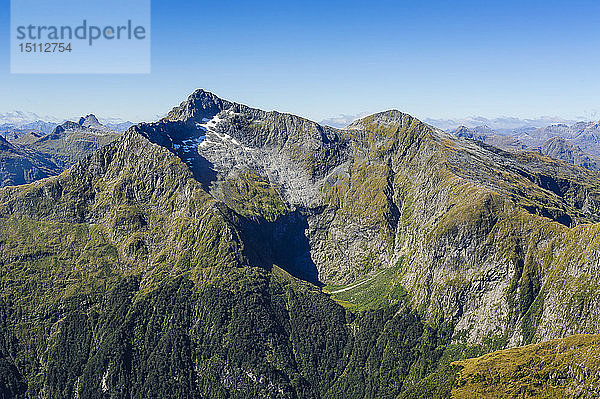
pixel 203 238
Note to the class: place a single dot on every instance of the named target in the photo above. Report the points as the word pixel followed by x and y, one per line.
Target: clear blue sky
pixel 439 59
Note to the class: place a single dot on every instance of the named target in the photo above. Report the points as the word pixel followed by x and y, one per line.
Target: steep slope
pixel 20 165
pixel 123 277
pixel 170 262
pixel 77 249
pixel 560 368
pixel 478 253
pixel 559 148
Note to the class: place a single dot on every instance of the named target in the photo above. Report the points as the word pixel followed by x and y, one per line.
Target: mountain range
pixel 229 252
pixel 18 123
pixel 504 124
pixel 35 155
pixel 578 144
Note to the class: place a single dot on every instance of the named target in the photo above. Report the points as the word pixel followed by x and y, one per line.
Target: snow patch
pixel 191 144
pixel 209 129
pixel 104 384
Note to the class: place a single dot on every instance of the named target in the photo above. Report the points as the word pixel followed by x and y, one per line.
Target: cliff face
pixel 172 260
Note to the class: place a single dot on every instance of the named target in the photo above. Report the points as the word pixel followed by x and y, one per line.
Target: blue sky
pixel 436 59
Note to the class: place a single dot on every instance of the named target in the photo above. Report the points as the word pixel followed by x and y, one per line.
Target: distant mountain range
pixel 342 120
pixel 578 143
pixel 18 123
pixel 19 118
pixel 501 124
pixel 32 155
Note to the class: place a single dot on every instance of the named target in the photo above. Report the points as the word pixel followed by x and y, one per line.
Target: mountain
pixel 474 134
pixel 489 136
pixel 18 123
pixel 229 252
pixel 10 131
pixel 560 148
pixel 585 135
pixel 560 141
pixel 33 155
pixel 70 141
pixel 503 125
pixel 20 165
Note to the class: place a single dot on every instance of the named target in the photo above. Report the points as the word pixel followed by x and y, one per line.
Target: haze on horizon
pixel 434 60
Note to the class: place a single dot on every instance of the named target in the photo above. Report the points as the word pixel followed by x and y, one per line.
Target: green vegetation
pixel 252 196
pixel 560 368
pixel 380 290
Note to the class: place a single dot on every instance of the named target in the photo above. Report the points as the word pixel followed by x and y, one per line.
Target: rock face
pixel 91 122
pixel 185 258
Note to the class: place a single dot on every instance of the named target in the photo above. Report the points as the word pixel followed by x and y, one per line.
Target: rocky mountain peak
pixel 90 120
pixel 85 123
pixel 68 125
pixel 462 131
pixel 201 104
pixel 386 118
